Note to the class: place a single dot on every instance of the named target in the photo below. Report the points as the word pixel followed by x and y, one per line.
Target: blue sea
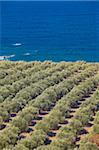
pixel 45 30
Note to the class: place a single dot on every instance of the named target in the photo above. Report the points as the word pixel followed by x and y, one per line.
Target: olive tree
pixel 8 137
pixel 36 139
pixel 20 123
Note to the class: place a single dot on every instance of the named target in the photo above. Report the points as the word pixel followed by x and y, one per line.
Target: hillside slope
pixel 49 106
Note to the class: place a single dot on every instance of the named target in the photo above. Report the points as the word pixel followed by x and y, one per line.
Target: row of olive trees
pixel 20 74
pixel 29 113
pixel 21 80
pixel 10 64
pixel 49 94
pixel 57 115
pixel 47 98
pixel 36 74
pixel 70 132
pixel 61 110
pixel 53 93
pixel 8 68
pixel 28 76
pixel 91 141
pixel 30 92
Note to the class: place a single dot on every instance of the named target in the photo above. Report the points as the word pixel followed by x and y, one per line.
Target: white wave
pixel 6 57
pixel 27 54
pixel 10 56
pixel 17 44
pixel 1 57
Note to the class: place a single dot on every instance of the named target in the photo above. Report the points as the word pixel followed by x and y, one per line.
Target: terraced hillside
pixel 49 106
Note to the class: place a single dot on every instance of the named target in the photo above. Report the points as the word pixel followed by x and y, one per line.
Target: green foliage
pixel 20 123
pixel 8 137
pixel 36 139
pixel 31 88
pixel 88 146
pixel 20 147
pixel 96 128
pixel 49 147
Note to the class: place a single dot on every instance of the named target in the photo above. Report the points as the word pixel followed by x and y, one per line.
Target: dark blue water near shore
pixel 50 30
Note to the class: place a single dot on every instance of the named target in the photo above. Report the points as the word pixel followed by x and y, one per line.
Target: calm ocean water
pixel 50 30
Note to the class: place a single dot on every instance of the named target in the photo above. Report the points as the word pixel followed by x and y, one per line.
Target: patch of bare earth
pixel 95 139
